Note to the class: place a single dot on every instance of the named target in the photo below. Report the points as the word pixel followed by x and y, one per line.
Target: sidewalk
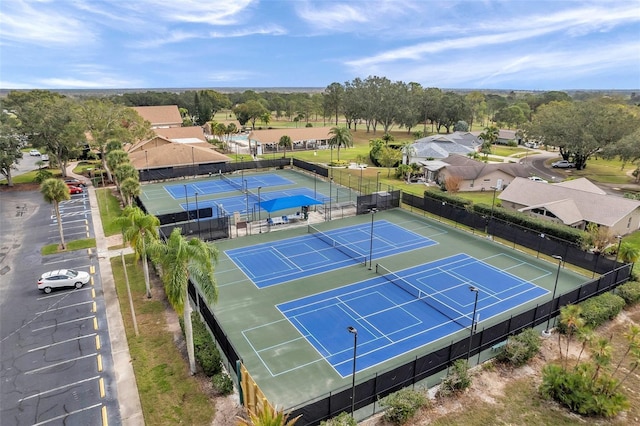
pixel 127 388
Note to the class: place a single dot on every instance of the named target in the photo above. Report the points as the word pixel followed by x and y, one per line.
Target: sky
pixel 474 44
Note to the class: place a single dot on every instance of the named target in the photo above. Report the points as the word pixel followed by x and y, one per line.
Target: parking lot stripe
pixel 99 362
pixel 101 382
pixel 59 388
pixel 105 421
pixel 97 342
pixel 37 370
pixel 61 342
pixel 95 321
pixel 63 307
pixel 67 414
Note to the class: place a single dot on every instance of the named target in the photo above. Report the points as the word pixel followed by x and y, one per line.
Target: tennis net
pixel 337 245
pixel 232 182
pixel 423 296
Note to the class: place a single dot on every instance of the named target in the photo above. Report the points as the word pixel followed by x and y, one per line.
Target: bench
pixel 498 346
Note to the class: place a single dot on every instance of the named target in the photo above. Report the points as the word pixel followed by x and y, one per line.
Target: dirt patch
pixel 20 187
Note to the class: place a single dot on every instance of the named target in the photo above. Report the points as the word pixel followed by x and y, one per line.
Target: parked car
pixel 74 182
pixel 62 278
pixel 44 157
pixel 563 164
pixel 34 153
pixel 538 179
pixel 75 189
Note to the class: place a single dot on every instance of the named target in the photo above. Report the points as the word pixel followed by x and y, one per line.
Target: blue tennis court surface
pixel 285 260
pixel 240 203
pixel 391 320
pixel 216 185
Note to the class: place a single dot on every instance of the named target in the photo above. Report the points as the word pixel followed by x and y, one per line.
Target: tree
pixel 572 321
pixel 580 129
pixel 490 134
pixel 389 157
pixel 140 230
pixel 10 143
pixel 629 253
pixel 285 142
pixel 55 191
pixel 182 261
pixel 332 99
pixel 130 187
pixel 627 149
pixel 52 123
pixel 108 121
pixel 340 136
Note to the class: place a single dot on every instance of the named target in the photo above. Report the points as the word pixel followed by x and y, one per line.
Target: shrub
pixel 457 379
pixel 520 348
pixel 577 390
pixel 597 310
pixel 222 383
pixel 343 419
pixel 630 292
pixel 205 350
pixel 402 405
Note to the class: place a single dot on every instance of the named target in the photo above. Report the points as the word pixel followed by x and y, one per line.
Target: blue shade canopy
pixel 288 202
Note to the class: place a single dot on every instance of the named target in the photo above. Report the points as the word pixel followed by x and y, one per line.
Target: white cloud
pixel 216 12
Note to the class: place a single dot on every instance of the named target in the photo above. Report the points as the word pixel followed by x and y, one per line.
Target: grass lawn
pixel 109 209
pixel 168 393
pixel 71 246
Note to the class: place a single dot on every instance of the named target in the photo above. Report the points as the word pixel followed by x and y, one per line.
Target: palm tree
pixel 285 142
pixel 629 253
pixel 130 188
pixel 139 229
pixel 183 260
pixel 55 191
pixel 571 319
pixel 341 137
pixel 490 134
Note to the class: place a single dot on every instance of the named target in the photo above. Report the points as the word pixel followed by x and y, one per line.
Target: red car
pixel 74 189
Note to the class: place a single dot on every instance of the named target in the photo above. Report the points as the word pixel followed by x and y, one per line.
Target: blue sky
pixel 518 44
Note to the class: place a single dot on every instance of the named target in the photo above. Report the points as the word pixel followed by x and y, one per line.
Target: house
pixel 441 146
pixel 574 203
pixel 162 116
pixel 302 138
pixel 475 175
pixel 156 155
pixel 191 134
pixel 504 136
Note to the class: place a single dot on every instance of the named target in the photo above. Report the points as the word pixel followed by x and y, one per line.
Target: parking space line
pixel 64 307
pixel 67 414
pixel 66 361
pixel 105 421
pixel 98 346
pixel 99 362
pixel 101 384
pixel 66 322
pixel 39 348
pixel 68 385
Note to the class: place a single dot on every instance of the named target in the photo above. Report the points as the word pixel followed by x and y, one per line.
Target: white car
pixel 538 179
pixel 62 278
pixel 34 153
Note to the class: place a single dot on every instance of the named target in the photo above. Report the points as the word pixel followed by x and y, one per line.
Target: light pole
pixel 353 331
pixel 493 202
pixel 146 157
pixel 473 319
pixel 259 224
pixel 553 297
pixel 360 185
pixel 615 262
pixel 378 182
pixel 187 200
pixel 330 193
pixel 197 214
pixel 193 162
pixel 373 212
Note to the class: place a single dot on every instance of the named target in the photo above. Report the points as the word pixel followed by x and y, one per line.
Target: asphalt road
pixel 55 353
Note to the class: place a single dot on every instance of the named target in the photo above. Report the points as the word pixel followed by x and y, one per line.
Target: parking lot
pixel 56 357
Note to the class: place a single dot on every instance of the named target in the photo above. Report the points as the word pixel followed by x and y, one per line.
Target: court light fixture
pixel 353 331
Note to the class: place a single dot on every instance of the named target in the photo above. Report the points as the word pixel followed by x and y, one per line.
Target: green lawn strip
pixel 168 393
pixel 109 210
pixel 71 246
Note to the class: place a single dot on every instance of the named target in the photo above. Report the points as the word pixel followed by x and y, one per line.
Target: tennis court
pixel 400 311
pixel 318 252
pixel 221 183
